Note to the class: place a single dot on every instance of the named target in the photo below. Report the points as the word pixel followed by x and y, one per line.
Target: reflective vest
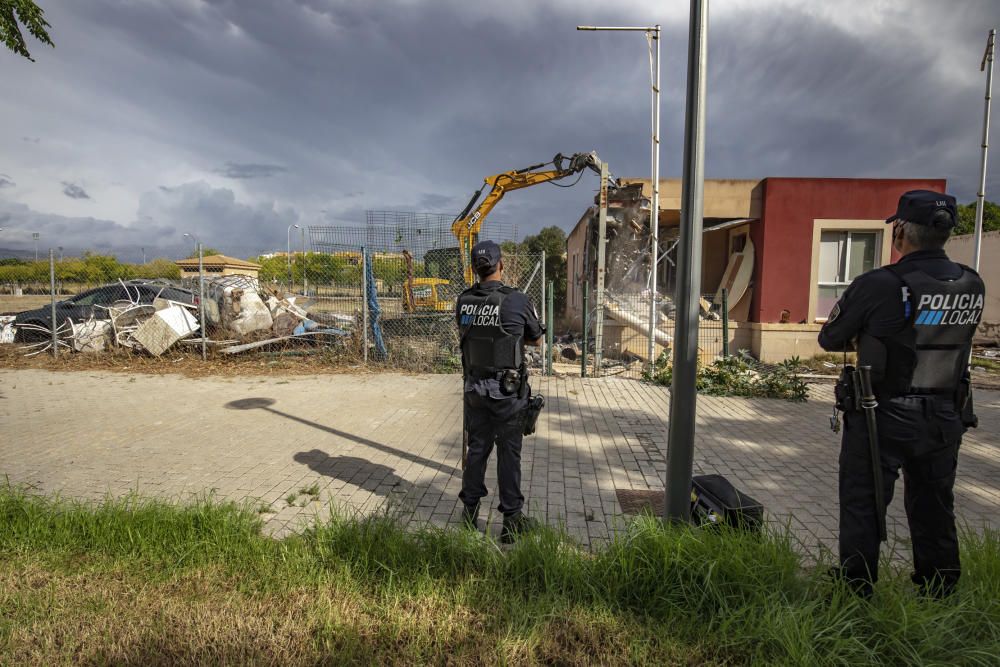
pixel 487 349
pixel 931 354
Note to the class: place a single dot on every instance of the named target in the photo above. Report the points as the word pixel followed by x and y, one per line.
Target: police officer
pixel 913 323
pixel 495 322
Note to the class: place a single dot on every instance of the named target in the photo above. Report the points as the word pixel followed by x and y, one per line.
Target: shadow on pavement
pixel 374 477
pixel 259 403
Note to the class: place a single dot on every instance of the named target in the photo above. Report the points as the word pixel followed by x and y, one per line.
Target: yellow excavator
pixel 436 294
pixel 468 223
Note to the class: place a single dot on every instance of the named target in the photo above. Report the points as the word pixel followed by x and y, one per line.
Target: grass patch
pixel 145 582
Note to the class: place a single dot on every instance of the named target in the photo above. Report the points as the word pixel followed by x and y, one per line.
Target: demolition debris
pixel 240 315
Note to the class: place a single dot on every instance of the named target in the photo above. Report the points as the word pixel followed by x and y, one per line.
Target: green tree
pixel 551 240
pixel 967 218
pixel 206 252
pixel 32 16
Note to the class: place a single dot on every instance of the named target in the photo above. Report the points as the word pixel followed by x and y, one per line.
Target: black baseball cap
pixel 919 207
pixel 485 257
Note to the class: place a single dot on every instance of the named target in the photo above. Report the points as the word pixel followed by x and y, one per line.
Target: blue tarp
pixel 374 311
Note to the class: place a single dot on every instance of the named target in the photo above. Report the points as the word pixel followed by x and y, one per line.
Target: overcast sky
pixel 233 119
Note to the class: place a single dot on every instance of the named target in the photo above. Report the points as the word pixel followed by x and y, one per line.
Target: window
pixel 843 256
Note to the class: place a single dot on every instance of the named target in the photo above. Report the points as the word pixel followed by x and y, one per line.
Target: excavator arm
pixel 468 223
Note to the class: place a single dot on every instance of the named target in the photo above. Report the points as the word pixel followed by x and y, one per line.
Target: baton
pixel 868 404
pixel 465 439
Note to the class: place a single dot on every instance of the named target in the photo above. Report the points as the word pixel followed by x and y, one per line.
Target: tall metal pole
pixel 680 439
pixel 201 302
pixel 654 205
pixel 602 233
pixel 653 35
pixel 987 64
pixel 52 293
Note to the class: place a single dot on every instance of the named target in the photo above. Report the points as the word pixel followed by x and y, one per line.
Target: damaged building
pixel 784 249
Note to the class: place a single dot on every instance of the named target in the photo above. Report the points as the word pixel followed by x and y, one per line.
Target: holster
pixel 531 412
pixel 847 399
pixel 963 403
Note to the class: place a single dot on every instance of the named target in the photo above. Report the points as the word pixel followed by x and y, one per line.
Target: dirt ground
pixel 189 363
pixel 11 305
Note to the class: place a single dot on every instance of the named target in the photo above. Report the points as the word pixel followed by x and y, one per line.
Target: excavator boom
pixel 468 223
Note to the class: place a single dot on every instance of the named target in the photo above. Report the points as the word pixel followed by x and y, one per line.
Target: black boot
pixel 514 526
pixel 470 516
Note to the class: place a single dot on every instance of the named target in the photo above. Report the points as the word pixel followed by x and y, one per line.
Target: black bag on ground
pixel 714 500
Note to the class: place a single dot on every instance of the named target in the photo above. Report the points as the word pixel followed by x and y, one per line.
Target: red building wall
pixel 783 237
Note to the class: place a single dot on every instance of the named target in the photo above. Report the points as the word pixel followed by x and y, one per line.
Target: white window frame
pixel 879 237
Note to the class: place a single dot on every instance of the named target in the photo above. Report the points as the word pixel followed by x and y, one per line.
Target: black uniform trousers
pixel 920 435
pixel 491 421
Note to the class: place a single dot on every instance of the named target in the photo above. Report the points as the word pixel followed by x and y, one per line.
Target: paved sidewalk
pixel 371 440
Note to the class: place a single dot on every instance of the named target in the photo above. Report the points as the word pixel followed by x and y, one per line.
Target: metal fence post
pixel 545 321
pixel 586 308
pixel 364 302
pixel 201 302
pixel 602 242
pixel 725 322
pixel 549 333
pixel 52 293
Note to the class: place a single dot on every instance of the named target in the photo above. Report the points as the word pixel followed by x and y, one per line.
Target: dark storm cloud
pixel 74 191
pixel 412 104
pixel 6 182
pixel 20 222
pixel 164 215
pixel 244 170
pixel 217 218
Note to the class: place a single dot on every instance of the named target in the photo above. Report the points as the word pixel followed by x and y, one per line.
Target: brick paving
pixel 376 441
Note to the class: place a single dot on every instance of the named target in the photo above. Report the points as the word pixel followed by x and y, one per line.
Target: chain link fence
pixel 399 277
pixel 624 343
pixel 383 293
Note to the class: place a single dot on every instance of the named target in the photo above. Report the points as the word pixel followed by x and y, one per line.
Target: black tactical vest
pixel 487 349
pixel 930 355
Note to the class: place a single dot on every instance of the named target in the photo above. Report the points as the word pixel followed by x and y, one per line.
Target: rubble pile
pixel 239 316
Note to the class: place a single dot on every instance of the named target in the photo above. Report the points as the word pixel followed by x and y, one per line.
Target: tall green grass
pixel 656 593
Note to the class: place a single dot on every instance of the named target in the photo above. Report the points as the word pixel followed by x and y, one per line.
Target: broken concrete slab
pixel 158 333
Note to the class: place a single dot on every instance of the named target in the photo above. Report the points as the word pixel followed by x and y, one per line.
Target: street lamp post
pixel 653 37
pixel 288 254
pixel 34 237
pixel 987 65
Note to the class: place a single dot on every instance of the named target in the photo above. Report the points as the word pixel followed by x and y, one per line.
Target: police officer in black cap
pixel 495 322
pixel 913 323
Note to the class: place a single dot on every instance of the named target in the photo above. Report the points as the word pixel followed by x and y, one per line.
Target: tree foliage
pixel 91 269
pixel 551 240
pixel 967 218
pixel 205 252
pixel 31 15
